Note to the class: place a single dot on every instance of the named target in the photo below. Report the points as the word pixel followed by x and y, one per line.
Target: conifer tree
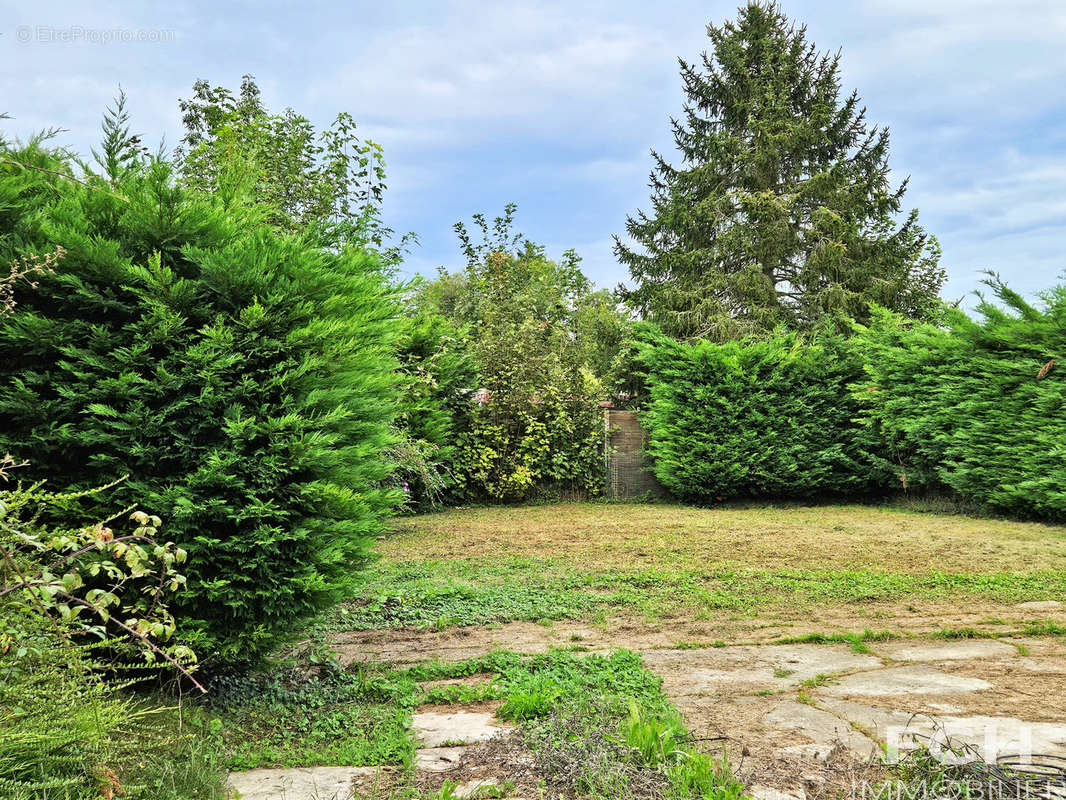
pixel 242 380
pixel 781 211
pixel 120 150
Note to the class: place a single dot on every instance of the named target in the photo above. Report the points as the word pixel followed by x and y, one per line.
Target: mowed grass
pixel 596 561
pixel 839 537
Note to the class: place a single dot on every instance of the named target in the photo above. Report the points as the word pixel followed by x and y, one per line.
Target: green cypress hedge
pixel 243 381
pixel 977 406
pixel 756 418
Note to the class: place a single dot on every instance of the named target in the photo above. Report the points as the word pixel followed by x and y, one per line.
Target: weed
pixel 287 717
pixel 857 641
pixel 492 791
pixel 962 633
pixel 459 694
pixel 925 773
pixel 446 792
pixel 528 704
pixel 818 680
pixel 1045 628
pixel 656 740
pixel 700 776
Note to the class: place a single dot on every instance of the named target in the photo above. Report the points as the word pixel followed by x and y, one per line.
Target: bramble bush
pixel 77 604
pixel 242 378
pixel 768 417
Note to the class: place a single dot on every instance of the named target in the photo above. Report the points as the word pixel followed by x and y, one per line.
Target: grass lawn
pixel 740 568
pixel 831 537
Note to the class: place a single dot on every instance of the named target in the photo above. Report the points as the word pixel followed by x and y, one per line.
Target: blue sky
pixel 555 105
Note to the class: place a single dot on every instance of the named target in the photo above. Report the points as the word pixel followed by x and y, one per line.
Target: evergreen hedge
pixel 243 381
pixel 973 407
pixel 770 417
pixel 977 406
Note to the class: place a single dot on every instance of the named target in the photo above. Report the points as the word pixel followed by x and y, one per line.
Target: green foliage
pixel 701 776
pixel 291 716
pixel 655 740
pixel 437 380
pixel 535 700
pixel 549 447
pixel 541 341
pixel 307 179
pixel 770 417
pixel 542 682
pixel 856 640
pixel 67 734
pixel 1045 627
pixel 781 212
pixel 977 405
pixel 90 581
pixel 242 379
pixel 120 150
pixel 611 731
pixel 435 594
pixel 441 594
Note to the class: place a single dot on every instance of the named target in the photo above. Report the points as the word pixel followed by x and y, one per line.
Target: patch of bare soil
pixel 1032 689
pixel 408 645
pixel 771 744
pixel 502 760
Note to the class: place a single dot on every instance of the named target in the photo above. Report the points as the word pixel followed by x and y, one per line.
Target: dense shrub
pixel 541 341
pixel 546 446
pixel 242 379
pixel 770 417
pixel 437 381
pixel 67 733
pixel 978 406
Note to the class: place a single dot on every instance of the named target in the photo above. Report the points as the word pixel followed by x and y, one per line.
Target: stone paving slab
pixel 825 730
pixel 438 759
pixel 307 783
pixel 916 679
pixel 750 668
pixel 749 693
pixel 439 728
pixel 991 736
pixel 963 650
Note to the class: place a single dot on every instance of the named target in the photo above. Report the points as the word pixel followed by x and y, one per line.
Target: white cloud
pixel 555 105
pixel 520 67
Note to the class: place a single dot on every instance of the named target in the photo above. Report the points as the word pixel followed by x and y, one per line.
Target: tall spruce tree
pixel 781 211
